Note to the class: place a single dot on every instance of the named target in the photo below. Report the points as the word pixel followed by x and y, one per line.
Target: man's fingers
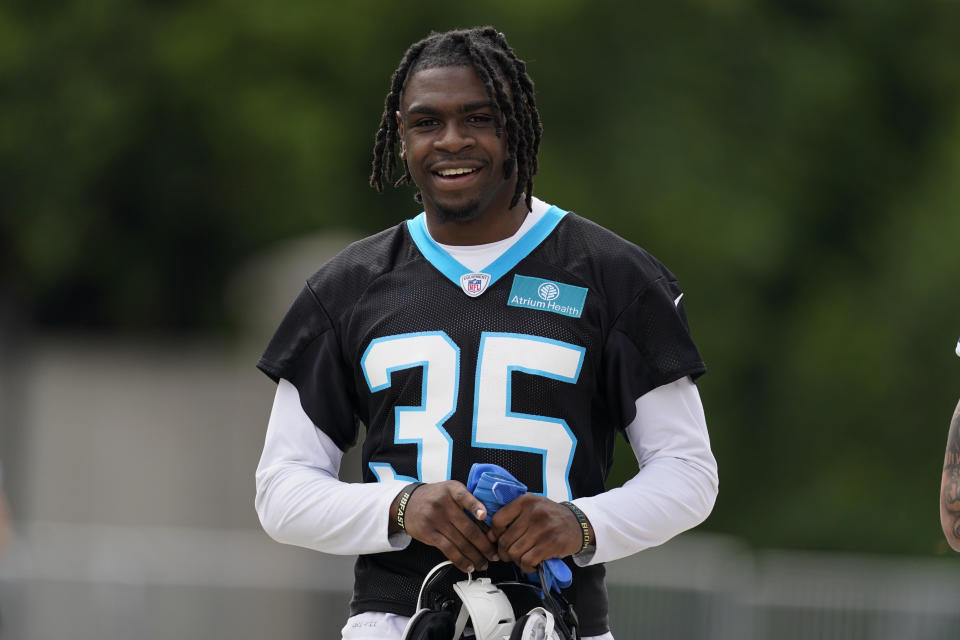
pixel 529 561
pixel 457 548
pixel 512 543
pixel 469 502
pixel 504 518
pixel 514 529
pixel 532 528
pixel 437 516
pixel 505 515
pixel 475 534
pixel 460 557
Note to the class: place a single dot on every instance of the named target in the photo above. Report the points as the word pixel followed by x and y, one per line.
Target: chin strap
pixel 461 623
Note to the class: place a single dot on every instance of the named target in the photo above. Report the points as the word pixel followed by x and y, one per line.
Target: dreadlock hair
pixel 486 50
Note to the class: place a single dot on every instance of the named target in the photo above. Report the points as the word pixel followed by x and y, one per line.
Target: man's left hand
pixel 531 529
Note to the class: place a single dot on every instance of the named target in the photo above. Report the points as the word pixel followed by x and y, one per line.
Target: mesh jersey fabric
pixel 632 335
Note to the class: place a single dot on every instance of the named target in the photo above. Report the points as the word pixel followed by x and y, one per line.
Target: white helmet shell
pixel 489 608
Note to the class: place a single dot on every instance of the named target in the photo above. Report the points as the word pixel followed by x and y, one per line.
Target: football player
pixel 492 327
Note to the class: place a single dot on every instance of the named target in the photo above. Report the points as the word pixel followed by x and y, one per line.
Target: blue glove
pixel 493 485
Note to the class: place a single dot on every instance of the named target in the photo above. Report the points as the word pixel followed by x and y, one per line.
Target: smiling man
pixel 493 327
pixel 452 143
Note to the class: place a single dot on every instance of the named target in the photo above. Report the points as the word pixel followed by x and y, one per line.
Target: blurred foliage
pixel 795 163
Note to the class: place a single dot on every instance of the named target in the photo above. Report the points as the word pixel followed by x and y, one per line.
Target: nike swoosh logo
pixel 676 302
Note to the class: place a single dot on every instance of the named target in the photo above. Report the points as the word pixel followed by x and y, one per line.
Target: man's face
pixel 449 141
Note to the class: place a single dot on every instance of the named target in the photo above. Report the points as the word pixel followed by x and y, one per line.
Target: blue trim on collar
pixel 434 253
pixel 452 269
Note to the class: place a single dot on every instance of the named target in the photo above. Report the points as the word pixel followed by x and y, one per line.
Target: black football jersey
pixel 533 364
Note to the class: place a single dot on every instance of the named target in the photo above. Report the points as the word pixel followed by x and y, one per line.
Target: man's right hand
pixel 435 516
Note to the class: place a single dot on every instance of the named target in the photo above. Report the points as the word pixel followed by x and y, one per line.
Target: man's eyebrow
pixel 476 106
pixel 425 109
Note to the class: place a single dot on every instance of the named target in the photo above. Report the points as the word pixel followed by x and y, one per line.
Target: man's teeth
pixel 446 173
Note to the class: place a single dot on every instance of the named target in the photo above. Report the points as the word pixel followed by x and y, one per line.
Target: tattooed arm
pixel 950 485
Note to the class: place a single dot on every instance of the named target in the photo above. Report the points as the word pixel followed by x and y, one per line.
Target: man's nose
pixel 454 137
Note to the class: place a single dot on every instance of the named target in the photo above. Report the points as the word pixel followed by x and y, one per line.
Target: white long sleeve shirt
pixel 301 500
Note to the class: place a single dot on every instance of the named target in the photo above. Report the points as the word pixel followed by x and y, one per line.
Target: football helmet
pixel 537 624
pixel 481 609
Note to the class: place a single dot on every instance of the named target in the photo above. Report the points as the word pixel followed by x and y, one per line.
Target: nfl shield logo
pixel 473 284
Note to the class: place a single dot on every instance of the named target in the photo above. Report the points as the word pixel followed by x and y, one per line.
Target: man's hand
pixel 435 516
pixel 531 529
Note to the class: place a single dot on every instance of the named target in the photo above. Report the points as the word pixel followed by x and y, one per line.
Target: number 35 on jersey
pixel 495 425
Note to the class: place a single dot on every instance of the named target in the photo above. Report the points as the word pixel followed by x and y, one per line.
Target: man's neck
pixel 484 229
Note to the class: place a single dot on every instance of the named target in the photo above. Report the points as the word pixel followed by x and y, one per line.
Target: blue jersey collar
pixel 453 270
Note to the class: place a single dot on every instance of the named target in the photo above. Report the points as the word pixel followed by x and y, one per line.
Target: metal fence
pixel 109 583
pixel 700 587
pixel 130 470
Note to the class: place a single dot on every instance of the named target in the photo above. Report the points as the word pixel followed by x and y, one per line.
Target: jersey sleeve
pixel 305 351
pixel 649 345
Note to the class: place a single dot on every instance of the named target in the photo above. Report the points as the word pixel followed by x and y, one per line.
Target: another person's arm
pixel 950 485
